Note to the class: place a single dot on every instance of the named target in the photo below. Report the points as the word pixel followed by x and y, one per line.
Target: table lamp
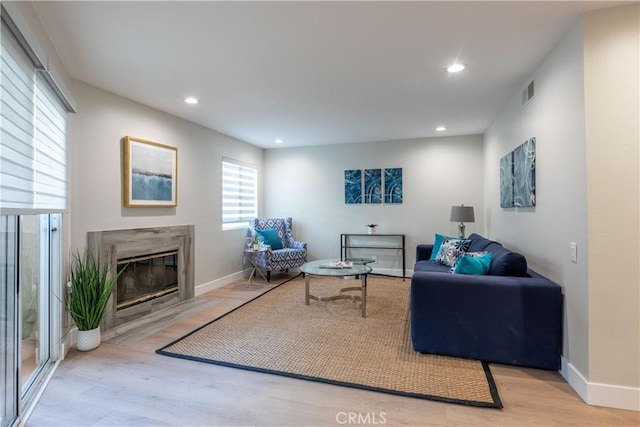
pixel 462 214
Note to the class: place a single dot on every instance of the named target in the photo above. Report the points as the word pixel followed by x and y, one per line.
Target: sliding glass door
pixel 8 321
pixel 33 197
pixel 29 318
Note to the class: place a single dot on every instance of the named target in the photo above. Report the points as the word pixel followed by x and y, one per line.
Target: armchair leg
pixel 269 276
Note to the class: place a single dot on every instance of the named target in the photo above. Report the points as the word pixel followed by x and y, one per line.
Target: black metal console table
pixel 346 243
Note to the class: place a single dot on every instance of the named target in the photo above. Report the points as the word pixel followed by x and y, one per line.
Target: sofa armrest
pixel 513 320
pixel 423 252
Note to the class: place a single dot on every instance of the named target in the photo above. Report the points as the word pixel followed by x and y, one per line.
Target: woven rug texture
pixel 331 342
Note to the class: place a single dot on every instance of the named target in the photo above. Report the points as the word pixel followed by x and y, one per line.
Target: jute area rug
pixel 332 343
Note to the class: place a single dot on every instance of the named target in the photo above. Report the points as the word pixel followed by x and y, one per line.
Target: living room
pixel 584 117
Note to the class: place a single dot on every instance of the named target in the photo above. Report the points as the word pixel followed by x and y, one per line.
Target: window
pixel 239 194
pixel 33 196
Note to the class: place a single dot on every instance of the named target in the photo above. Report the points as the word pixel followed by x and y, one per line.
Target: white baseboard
pixel 218 283
pixel 68 341
pixel 598 394
pixel 389 271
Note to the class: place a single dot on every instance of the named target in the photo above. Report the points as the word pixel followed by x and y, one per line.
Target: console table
pixel 390 242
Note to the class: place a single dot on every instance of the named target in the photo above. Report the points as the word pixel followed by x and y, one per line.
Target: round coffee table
pixel 326 267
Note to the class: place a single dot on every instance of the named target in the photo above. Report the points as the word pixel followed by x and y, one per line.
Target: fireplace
pixel 145 278
pixel 157 270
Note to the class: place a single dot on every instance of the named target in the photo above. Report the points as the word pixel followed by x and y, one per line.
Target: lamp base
pixel 461 228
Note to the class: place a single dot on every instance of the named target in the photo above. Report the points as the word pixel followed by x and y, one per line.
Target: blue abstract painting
pixel 524 174
pixel 393 185
pixel 506 181
pixel 353 186
pixel 149 186
pixel 373 185
pixel 150 174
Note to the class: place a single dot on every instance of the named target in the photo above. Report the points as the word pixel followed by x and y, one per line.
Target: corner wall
pixel 308 184
pixel 576 178
pixel 612 91
pixel 95 133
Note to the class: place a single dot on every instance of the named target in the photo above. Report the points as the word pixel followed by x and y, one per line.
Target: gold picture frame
pixel 150 174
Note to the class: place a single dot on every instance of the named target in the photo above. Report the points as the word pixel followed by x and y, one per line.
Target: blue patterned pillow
pixel 437 242
pixel 451 250
pixel 473 263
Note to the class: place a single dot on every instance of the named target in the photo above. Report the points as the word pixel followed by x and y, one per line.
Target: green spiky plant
pixel 91 287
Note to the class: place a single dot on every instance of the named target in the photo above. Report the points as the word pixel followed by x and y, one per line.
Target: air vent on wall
pixel 528 93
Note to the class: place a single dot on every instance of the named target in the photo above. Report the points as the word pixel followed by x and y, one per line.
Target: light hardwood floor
pixel 131 385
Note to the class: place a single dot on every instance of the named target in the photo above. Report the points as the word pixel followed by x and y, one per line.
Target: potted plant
pixel 91 286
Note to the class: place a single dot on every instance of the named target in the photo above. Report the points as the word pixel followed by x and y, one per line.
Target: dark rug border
pixel 497 403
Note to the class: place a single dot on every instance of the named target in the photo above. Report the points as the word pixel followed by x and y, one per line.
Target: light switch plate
pixel 573 246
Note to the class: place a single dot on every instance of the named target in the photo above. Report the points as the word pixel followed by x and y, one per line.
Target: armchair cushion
pixel 270 237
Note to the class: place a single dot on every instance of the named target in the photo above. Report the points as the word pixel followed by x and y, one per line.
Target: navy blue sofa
pixel 512 315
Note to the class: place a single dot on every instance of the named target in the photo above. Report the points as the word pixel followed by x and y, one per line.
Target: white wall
pixel 555 117
pixel 95 134
pixel 601 335
pixel 308 184
pixel 612 90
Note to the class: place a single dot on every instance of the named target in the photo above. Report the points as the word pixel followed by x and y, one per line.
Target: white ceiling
pixel 313 73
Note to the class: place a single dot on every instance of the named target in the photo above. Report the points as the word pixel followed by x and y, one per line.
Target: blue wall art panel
pixel 524 174
pixel 393 185
pixel 506 181
pixel 373 185
pixel 353 186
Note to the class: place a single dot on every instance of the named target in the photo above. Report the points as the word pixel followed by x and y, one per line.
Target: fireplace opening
pixel 145 278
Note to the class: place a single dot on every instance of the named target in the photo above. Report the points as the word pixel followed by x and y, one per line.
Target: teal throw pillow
pixel 450 250
pixel 269 236
pixel 476 263
pixel 437 242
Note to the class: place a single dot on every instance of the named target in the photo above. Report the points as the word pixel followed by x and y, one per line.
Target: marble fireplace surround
pixel 118 244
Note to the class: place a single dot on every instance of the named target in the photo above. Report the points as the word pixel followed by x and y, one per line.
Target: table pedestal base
pixel 341 294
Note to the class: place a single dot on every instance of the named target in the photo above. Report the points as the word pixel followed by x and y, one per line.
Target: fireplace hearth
pixel 158 270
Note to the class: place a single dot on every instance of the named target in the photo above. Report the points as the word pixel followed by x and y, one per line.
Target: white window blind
pixel 33 135
pixel 239 194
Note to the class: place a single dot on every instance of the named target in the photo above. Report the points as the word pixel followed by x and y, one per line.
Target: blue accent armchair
pixel 293 253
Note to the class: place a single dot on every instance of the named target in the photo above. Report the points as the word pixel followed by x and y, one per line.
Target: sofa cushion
pixel 451 250
pixel 479 243
pixel 505 262
pixel 430 266
pixel 437 242
pixel 477 263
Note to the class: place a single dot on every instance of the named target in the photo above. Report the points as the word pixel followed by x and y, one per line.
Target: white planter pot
pixel 88 340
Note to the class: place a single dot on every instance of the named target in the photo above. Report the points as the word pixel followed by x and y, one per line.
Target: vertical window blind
pixel 239 194
pixel 33 123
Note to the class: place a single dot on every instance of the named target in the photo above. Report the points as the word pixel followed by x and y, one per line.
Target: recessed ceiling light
pixel 455 68
pixel 191 100
pixel 441 129
pixel 278 141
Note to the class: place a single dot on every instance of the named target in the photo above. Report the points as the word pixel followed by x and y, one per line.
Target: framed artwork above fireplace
pixel 150 174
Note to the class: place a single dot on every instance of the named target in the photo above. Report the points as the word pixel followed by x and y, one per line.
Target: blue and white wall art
pixel 353 186
pixel 518 176
pixel 506 181
pixel 150 174
pixel 373 193
pixel 373 185
pixel 393 185
pixel 524 174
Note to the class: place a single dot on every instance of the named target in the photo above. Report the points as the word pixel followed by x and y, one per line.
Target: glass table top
pixel 321 268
